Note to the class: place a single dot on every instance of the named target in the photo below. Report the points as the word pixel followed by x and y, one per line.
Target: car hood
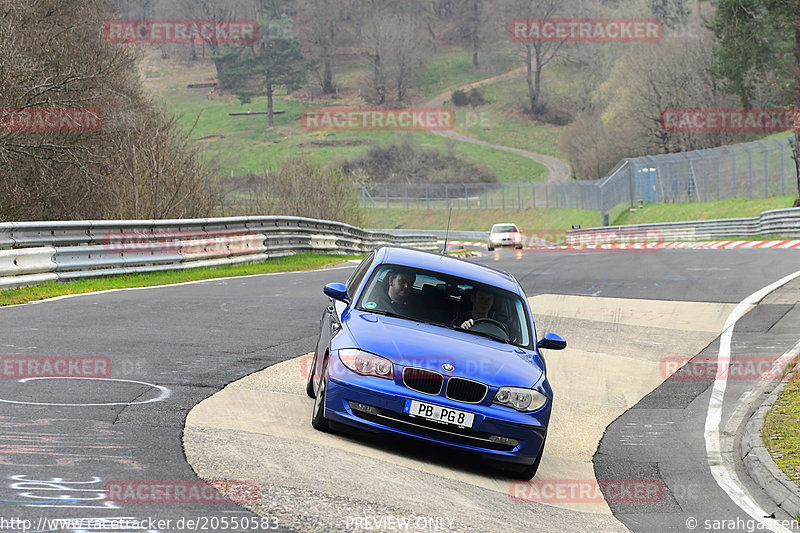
pixel 421 345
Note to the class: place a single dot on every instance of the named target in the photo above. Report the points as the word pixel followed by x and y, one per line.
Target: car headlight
pixel 366 364
pixel 525 400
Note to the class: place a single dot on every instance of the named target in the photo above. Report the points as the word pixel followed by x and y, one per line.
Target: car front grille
pixel 421 380
pixel 466 390
pixel 437 430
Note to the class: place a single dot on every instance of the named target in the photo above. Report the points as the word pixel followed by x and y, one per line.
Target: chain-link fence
pixel 755 169
pixel 571 194
pixel 747 170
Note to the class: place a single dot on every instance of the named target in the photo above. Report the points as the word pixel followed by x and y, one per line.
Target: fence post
pixel 783 168
pixel 427 198
pixel 387 194
pixel 630 183
pixel 766 169
pixel 406 202
pixel 466 194
pixel 485 196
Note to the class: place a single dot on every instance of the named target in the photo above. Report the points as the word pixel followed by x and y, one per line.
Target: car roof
pixel 397 255
pixel 504 224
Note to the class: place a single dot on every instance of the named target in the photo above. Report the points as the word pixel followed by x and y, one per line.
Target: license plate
pixel 438 413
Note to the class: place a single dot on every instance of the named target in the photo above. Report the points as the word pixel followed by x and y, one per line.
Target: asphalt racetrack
pixel 125 449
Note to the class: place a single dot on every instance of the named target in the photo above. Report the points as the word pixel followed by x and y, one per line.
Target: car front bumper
pixel 376 405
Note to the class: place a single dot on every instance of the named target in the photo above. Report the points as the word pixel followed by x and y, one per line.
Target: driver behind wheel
pixel 482 302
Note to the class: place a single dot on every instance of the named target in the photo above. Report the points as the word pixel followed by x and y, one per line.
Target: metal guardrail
pixel 44 251
pixel 785 222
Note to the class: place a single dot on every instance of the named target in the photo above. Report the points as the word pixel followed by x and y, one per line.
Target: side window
pixel 358 274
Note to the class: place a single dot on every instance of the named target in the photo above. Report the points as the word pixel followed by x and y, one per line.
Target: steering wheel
pixel 492 321
pixel 498 327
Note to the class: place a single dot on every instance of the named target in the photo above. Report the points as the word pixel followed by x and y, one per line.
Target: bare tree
pixel 395 46
pixel 538 54
pixel 52 56
pixel 323 23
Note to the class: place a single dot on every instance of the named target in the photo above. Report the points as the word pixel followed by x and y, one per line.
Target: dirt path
pixel 557 169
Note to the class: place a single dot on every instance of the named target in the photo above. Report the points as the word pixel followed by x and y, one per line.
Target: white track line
pixel 721 468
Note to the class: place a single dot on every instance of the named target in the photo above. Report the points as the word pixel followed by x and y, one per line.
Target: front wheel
pixel 318 420
pixel 529 471
pixel 310 381
pixel 491 248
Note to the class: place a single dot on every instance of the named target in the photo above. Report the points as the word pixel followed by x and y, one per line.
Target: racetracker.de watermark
pixel 183 242
pixel 378 119
pixel 420 368
pixel 50 119
pixel 181 492
pixel 561 491
pixel 590 30
pixel 734 120
pixel 54 366
pixel 749 368
pixel 181 31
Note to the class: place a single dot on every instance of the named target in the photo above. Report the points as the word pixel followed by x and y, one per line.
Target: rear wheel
pixel 318 419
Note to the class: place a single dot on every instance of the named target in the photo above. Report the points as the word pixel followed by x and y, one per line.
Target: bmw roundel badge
pixel 447 367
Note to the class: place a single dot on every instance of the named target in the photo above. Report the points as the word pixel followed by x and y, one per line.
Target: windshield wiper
pixel 396 315
pixel 388 313
pixel 483 334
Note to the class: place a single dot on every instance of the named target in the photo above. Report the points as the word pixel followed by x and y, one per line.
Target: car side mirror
pixel 337 291
pixel 551 341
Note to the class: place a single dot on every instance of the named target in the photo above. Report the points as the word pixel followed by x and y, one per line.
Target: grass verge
pixel 528 220
pixel 781 432
pixel 51 289
pixel 736 208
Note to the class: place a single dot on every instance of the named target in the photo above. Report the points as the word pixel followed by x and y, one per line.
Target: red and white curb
pixel 702 245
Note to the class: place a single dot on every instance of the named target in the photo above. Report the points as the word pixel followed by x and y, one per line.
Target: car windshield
pixel 447 301
pixel 508 228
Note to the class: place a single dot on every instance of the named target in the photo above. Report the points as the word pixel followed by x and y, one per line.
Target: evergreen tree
pixel 759 45
pixel 275 60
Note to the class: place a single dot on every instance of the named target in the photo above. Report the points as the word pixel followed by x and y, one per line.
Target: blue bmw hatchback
pixel 438 349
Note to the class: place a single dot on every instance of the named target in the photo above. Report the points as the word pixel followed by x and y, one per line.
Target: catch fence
pixel 746 170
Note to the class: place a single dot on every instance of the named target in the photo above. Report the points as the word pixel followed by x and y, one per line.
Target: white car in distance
pixel 505 234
